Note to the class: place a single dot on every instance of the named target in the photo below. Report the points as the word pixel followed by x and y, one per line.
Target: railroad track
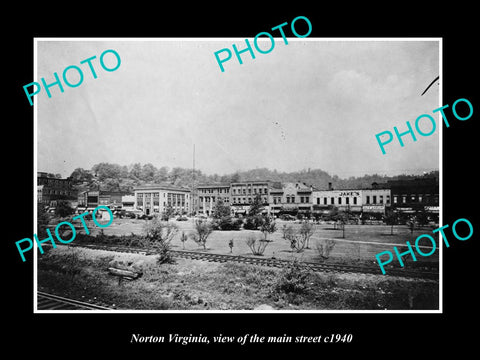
pixel 273 262
pixel 53 302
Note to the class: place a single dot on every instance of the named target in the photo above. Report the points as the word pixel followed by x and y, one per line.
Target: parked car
pixel 287 217
pixel 182 218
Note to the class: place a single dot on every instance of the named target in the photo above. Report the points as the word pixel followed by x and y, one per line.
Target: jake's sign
pixel 349 193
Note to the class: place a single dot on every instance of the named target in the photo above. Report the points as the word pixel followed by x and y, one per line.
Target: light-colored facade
pixel 128 202
pixel 155 199
pixel 208 195
pixel 291 197
pixel 342 199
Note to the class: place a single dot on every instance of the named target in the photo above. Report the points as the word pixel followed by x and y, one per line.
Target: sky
pixel 314 103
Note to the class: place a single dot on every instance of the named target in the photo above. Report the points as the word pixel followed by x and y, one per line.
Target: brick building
pixel 51 188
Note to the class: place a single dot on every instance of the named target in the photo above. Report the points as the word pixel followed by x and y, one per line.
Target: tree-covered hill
pixel 114 177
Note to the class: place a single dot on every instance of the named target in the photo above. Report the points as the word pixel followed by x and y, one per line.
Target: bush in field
pixel 293 279
pixel 256 246
pixel 158 235
pixel 267 226
pixel 253 222
pixel 201 233
pixel 324 248
pixel 305 233
pixel 63 208
pixel 287 231
pixel 299 239
pixel 227 223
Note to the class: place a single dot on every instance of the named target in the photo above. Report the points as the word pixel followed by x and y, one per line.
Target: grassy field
pixel 360 244
pixel 82 274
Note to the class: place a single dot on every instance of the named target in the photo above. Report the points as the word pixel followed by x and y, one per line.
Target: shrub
pixel 227 223
pixel 63 208
pixel 202 232
pixel 299 239
pixel 267 227
pixel 256 246
pixel 306 232
pixel 158 235
pixel 293 279
pixel 324 248
pixel 252 223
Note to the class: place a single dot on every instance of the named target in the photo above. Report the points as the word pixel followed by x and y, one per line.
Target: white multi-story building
pixel 153 199
pixel 342 199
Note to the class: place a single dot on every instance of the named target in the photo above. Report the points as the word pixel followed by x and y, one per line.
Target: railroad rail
pixel 271 262
pixel 54 302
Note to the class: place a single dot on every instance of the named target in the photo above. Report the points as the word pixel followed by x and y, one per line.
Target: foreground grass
pixel 195 285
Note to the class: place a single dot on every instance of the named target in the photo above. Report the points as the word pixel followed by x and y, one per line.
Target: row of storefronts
pixel 275 198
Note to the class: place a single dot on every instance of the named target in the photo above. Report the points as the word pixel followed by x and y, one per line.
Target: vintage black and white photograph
pixel 209 175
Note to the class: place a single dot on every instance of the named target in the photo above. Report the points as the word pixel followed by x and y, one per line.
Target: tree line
pixel 114 177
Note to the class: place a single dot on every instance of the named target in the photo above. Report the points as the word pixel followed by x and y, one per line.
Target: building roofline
pixel 160 187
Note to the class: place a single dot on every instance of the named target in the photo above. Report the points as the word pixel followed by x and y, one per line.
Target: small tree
pixel 63 208
pixel 299 239
pixel 287 231
pixel 159 234
pixel 221 210
pixel 256 206
pixel 391 218
pixel 267 226
pixel 230 244
pixel 257 247
pixel 202 232
pixel 167 213
pixel 306 232
pixel 324 249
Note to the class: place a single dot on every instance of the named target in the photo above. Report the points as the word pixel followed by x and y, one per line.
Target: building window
pixel 288 199
pixel 404 199
pixel 374 201
pixel 395 199
pixel 324 201
pixel 332 201
pixel 339 201
pixel 301 199
pixel 381 199
pixel 318 201
pixel 347 201
pixel 307 199
pixel 355 201
pixel 388 199
pixel 368 199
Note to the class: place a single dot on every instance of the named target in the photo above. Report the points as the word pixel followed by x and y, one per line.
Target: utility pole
pixel 192 196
